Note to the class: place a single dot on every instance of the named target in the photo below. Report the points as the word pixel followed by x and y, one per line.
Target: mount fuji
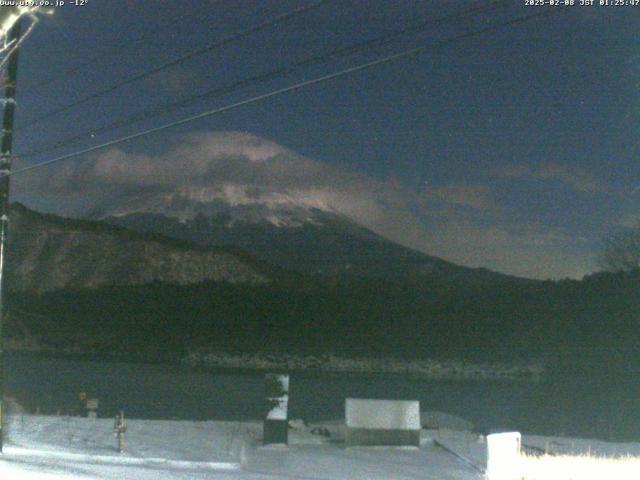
pixel 234 188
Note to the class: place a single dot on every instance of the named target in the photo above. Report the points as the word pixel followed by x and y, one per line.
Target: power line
pixel 297 86
pixel 177 61
pixel 278 72
pixel 114 50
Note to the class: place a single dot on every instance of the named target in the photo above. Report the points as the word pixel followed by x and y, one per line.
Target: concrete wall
pixel 382 422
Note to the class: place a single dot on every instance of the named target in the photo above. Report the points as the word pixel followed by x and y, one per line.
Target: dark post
pixel 5 170
pixel 120 427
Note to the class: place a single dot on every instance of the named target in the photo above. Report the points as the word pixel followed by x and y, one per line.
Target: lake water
pixel 566 405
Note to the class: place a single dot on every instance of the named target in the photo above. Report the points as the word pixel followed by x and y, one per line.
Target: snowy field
pixel 52 447
pixel 48 447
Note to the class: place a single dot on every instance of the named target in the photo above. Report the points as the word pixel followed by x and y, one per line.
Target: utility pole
pixel 5 169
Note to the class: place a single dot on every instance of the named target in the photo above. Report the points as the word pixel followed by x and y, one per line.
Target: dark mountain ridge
pixel 48 252
pixel 322 244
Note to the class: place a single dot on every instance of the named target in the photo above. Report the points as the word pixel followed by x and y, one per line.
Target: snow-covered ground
pixel 70 448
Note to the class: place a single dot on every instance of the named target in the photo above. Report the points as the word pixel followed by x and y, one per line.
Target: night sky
pixel 515 150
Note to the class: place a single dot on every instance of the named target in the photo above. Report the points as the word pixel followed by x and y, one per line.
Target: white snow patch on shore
pixel 454 370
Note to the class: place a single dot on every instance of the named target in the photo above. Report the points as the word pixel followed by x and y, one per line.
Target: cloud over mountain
pixel 575 178
pixel 233 167
pixel 460 223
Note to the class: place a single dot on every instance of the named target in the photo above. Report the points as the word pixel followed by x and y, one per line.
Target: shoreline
pixel 311 366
